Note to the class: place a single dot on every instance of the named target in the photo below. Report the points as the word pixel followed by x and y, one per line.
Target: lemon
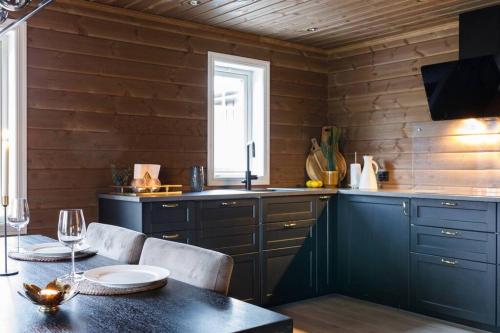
pixel 320 183
pixel 315 183
pixel 309 183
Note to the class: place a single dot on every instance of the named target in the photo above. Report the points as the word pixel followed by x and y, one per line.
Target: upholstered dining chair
pixel 194 265
pixel 114 242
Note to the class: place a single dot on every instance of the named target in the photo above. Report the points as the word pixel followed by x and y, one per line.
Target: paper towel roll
pixel 355 173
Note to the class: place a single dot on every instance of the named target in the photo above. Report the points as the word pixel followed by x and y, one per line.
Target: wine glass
pixel 71 231
pixel 18 217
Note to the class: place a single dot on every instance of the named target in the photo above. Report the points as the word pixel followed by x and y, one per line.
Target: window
pixel 13 106
pixel 238 114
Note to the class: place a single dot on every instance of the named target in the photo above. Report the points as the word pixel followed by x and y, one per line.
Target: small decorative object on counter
pixel 330 137
pixel 197 178
pixel 368 179
pixel 49 299
pixel 146 178
pixel 355 172
pixel 120 176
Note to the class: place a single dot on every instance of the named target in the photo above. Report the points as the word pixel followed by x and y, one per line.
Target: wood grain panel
pixel 377 95
pixel 340 22
pixel 114 88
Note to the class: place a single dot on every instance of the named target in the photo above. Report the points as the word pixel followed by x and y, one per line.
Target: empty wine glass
pixel 18 217
pixel 71 231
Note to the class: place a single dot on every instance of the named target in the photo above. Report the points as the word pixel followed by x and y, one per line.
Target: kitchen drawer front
pixel 453 288
pixel 181 236
pixel 469 245
pixel 288 209
pixel 167 216
pixel 222 213
pixel 454 214
pixel 286 234
pixel 230 240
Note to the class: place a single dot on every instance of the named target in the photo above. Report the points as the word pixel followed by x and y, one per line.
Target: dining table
pixel 177 307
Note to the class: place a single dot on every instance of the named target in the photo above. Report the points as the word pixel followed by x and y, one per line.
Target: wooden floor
pixel 336 313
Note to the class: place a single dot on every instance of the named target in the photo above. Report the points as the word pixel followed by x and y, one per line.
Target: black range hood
pixel 469 87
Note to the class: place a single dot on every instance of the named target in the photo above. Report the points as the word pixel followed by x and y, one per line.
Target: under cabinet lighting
pixel 194 2
pixel 312 29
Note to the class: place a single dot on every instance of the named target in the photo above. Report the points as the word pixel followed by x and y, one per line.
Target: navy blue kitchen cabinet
pixel 288 242
pixel 453 260
pixel 282 246
pixel 373 249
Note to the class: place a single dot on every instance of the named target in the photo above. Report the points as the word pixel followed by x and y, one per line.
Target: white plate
pixel 54 249
pixel 126 276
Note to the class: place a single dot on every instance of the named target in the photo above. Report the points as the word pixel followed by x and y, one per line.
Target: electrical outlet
pixel 383 176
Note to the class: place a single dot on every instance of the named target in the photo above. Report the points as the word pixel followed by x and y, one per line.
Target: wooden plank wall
pixel 111 87
pixel 376 93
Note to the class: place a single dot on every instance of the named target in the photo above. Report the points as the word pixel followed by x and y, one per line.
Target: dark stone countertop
pixel 177 307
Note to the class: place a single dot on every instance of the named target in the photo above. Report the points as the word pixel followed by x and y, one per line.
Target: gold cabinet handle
pixel 231 203
pixel 449 262
pixel 172 236
pixel 170 205
pixel 450 233
pixel 448 203
pixel 289 225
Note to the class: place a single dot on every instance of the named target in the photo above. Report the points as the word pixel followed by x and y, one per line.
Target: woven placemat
pixel 87 287
pixel 30 256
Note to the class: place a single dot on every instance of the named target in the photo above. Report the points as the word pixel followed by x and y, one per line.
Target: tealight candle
pixel 48 295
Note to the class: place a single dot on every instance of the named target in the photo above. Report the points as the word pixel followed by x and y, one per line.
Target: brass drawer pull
pixel 172 236
pixel 449 262
pixel 448 203
pixel 449 233
pixel 289 225
pixel 231 203
pixel 170 205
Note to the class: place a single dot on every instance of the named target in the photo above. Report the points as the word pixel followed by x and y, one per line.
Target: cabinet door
pixel 245 283
pixel 454 288
pixel 288 274
pixel 373 248
pixel 323 232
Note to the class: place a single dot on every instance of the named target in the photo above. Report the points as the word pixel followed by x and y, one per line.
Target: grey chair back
pixel 194 265
pixel 115 242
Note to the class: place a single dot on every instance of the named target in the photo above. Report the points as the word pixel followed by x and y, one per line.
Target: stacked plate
pixel 127 276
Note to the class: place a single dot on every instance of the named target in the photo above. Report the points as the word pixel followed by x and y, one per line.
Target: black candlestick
pixel 6 271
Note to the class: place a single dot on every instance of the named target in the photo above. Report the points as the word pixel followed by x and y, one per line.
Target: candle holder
pixel 6 270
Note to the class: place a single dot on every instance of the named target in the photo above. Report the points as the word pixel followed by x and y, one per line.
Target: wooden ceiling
pixel 339 22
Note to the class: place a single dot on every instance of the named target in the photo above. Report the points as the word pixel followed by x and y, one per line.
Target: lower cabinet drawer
pixel 286 234
pixel 469 245
pixel 453 288
pixel 181 236
pixel 230 240
pixel 245 280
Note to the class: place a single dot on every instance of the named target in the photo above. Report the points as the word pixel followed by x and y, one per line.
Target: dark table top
pixel 177 307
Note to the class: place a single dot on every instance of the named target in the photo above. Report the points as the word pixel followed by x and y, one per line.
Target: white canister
pixel 355 173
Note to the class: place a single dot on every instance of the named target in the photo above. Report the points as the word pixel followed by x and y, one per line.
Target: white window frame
pixel 13 107
pixel 214 57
